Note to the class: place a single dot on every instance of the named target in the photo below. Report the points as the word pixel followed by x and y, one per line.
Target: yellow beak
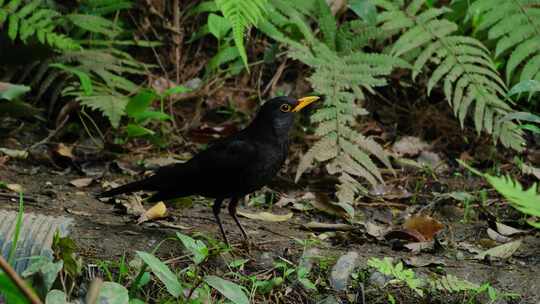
pixel 303 102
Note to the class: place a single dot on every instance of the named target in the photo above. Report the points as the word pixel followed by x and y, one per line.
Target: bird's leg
pixel 217 209
pixel 232 211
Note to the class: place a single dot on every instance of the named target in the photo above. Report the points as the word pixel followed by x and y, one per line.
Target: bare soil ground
pixel 102 233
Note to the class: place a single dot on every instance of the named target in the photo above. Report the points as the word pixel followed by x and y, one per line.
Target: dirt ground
pixel 103 233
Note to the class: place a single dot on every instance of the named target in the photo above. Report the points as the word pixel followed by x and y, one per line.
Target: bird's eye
pixel 285 108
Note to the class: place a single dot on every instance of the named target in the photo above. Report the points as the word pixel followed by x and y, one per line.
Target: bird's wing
pixel 232 155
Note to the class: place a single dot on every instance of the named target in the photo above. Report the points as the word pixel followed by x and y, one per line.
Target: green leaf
pixel 112 293
pixel 95 24
pixel 526 86
pixel 134 130
pixel 196 247
pixel 364 9
pixel 164 274
pixel 140 102
pixel 151 115
pixel 218 26
pixel 46 269
pixel 230 290
pixel 11 91
pixel 56 296
pixel 176 90
pixel 84 78
pixel 9 291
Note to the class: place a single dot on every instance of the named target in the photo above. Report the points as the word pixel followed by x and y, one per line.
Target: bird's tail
pixel 127 188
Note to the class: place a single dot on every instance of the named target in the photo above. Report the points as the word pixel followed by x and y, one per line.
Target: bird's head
pixel 279 112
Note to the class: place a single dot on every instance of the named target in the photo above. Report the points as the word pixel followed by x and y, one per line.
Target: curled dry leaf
pixel 408 235
pixel 425 225
pixel 494 235
pixel 267 216
pixel 15 188
pixel 420 246
pixel 321 201
pixel 64 150
pixel 318 226
pixel 19 154
pixel 376 231
pixel 158 211
pixel 503 251
pixel 507 230
pixel 81 182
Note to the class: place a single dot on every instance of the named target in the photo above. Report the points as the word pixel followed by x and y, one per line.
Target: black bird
pixel 232 167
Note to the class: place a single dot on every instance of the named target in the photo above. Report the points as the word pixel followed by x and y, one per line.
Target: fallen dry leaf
pixel 19 154
pixel 425 225
pixel 406 235
pixel 494 235
pixel 507 230
pixel 318 226
pixel 419 246
pixel 81 182
pixel 376 231
pixel 64 150
pixel 322 203
pixel 15 188
pixel 158 211
pixel 503 251
pixel 267 216
pixel 419 261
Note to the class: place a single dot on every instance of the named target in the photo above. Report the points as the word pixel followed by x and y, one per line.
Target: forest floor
pixel 436 220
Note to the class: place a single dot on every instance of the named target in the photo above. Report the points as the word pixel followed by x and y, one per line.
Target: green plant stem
pixel 15 278
pixel 13 249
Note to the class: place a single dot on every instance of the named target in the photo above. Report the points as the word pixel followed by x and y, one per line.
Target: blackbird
pixel 232 167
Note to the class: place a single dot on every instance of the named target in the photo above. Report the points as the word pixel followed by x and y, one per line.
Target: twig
pixel 51 134
pixel 16 196
pixel 29 293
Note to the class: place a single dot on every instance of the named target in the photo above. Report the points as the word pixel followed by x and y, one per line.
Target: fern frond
pixel 471 83
pixel 526 201
pixel 31 20
pixel 242 14
pixel 515 25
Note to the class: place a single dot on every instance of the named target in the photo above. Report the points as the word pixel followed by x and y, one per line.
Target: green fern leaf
pixel 242 14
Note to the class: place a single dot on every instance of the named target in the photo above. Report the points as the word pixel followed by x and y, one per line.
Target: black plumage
pixel 229 168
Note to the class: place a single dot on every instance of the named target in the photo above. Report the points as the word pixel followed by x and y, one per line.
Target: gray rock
pixel 341 272
pixel 308 258
pixel 378 279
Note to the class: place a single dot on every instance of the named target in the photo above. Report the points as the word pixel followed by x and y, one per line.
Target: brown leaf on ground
pixel 376 231
pixel 158 211
pixel 507 230
pixel 64 150
pixel 267 216
pixel 494 235
pixel 406 235
pixel 318 226
pixel 503 251
pixel 15 188
pixel 425 225
pixel 81 182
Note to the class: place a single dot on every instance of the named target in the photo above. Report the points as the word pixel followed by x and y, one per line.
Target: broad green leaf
pixel 56 296
pixel 164 274
pixel 526 86
pixel 151 115
pixel 140 102
pixel 230 290
pixel 9 291
pixel 112 293
pixel 138 131
pixel 195 247
pixel 11 91
pixel 364 9
pixel 218 26
pixel 84 78
pixel 46 269
pixel 176 90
